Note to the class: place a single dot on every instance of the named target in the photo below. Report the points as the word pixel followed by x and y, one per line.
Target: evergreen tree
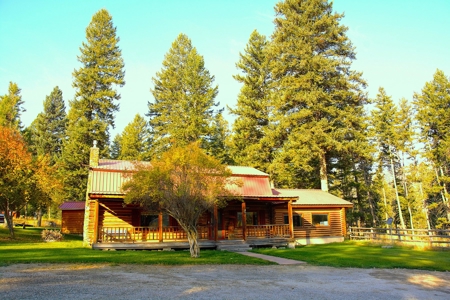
pixel 49 128
pixel 385 127
pixel 91 113
pixel 318 100
pixel 252 109
pixel 11 107
pixel 219 142
pixel 134 140
pixel 183 109
pixel 433 115
pixel 115 147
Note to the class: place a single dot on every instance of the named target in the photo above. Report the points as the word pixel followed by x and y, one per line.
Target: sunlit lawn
pixel 28 248
pixel 365 255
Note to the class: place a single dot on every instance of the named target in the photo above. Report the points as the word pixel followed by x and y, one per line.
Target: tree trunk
pixel 39 217
pixel 9 222
pixel 323 172
pixel 402 222
pixel 192 235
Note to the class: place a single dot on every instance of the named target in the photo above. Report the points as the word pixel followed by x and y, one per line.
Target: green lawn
pixel 28 248
pixel 365 255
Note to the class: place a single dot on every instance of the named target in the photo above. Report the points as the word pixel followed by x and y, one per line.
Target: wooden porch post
pixel 244 221
pixel 344 222
pixel 291 220
pixel 216 223
pixel 160 226
pixel 96 212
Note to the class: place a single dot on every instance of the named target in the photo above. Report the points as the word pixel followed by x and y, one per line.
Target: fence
pixel 434 238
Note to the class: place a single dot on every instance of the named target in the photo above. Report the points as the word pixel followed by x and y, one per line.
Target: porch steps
pixel 233 246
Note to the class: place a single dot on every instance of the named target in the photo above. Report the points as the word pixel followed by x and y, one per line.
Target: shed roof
pixel 312 197
pixel 73 205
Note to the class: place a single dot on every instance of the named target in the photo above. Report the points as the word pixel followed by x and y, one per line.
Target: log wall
pixel 334 227
pixel 72 221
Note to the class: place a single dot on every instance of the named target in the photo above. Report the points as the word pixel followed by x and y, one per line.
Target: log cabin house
pixel 263 215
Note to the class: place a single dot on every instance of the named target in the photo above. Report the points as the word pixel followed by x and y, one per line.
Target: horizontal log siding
pixel 72 221
pixel 91 223
pixel 334 227
pixel 114 214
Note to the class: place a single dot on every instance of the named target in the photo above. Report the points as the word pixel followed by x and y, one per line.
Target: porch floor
pixel 230 245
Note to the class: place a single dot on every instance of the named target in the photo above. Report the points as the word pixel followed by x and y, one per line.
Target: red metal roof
pixel 248 186
pixel 73 205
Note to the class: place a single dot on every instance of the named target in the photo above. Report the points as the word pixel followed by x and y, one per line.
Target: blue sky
pixel 399 44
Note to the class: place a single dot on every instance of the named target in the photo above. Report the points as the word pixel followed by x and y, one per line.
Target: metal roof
pixel 312 197
pixel 248 186
pixel 73 205
pixel 241 170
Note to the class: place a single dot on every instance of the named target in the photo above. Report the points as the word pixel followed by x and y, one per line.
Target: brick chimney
pixel 94 155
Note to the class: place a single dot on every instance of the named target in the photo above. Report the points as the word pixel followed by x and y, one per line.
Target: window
pixel 152 220
pixel 297 218
pixel 320 219
pixel 251 218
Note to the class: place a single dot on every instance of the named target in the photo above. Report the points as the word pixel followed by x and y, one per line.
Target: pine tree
pixel 91 113
pixel 115 147
pixel 11 107
pixel 318 100
pixel 49 128
pixel 433 115
pixel 134 140
pixel 219 142
pixel 183 107
pixel 385 127
pixel 252 109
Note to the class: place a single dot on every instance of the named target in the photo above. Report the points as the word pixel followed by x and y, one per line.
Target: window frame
pixel 294 215
pixel 319 224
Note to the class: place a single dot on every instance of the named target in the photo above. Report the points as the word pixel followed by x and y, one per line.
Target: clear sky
pixel 399 43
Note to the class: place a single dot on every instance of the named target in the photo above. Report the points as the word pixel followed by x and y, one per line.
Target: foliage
pixel 365 255
pixel 433 115
pixel 51 235
pixel 15 173
pixel 253 105
pixel 183 107
pixel 48 130
pixel 92 111
pixel 11 107
pixel 318 100
pixel 133 143
pixel 184 182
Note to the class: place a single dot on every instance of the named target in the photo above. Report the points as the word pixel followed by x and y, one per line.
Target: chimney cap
pixel 95 144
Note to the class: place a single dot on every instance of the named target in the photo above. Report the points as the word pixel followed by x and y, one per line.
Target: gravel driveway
pixel 80 281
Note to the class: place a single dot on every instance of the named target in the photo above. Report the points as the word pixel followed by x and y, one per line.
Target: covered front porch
pixel 249 222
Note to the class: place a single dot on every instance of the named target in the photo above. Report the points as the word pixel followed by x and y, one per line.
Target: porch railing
pixel 268 231
pixel 143 234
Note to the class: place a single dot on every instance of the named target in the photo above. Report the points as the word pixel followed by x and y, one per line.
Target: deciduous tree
pixel 184 182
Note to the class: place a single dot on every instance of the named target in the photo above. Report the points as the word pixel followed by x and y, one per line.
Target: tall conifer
pixel 318 99
pixel 91 113
pixel 183 107
pixel 252 108
pixel 134 140
pixel 11 107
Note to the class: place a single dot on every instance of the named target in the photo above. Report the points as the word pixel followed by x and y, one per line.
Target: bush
pixel 51 235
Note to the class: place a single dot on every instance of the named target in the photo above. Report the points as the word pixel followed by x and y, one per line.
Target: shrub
pixel 51 235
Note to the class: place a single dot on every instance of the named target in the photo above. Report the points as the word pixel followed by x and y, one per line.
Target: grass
pixel 29 248
pixel 353 254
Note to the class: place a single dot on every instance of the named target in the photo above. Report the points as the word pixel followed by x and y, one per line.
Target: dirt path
pixel 79 281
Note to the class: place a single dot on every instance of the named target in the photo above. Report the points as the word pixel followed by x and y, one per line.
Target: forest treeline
pixel 302 116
